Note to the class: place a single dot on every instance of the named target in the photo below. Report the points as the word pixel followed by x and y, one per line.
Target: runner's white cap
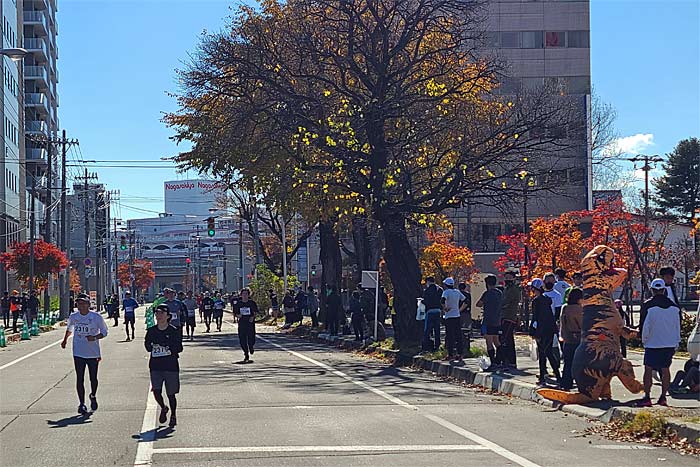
pixel 658 284
pixel 449 281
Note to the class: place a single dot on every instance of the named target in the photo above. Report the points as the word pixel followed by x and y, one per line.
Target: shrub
pixel 647 424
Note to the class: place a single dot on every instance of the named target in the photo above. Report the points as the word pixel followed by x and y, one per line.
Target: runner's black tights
pixel 80 364
pixel 172 400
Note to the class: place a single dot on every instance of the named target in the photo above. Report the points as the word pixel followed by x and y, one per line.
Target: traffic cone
pixel 24 335
pixel 3 342
pixel 35 328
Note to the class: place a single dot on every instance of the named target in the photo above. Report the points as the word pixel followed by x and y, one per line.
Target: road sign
pixel 87 262
pixel 93 298
pixel 370 280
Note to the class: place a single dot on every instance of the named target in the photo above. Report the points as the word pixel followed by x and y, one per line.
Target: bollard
pixel 3 341
pixel 35 328
pixel 24 335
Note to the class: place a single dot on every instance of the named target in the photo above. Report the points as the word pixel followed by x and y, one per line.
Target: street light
pixel 16 54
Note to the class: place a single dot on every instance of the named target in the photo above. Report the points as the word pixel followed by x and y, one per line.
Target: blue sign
pixel 303 262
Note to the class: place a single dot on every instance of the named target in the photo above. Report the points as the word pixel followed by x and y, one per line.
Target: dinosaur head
pixel 598 270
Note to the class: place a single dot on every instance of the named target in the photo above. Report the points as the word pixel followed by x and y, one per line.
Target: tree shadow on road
pixel 74 420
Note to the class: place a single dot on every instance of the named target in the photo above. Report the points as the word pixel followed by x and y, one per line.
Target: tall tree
pixel 678 189
pixel 384 107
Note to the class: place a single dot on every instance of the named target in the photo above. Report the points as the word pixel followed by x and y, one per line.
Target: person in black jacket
pixel 5 308
pixel 164 342
pixel 334 310
pixel 246 310
pixel 357 318
pixel 543 329
pixel 207 309
pixel 432 297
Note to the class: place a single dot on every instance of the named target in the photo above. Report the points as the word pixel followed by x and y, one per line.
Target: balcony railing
pixel 34 72
pixel 36 154
pixel 36 126
pixel 35 17
pixel 37 100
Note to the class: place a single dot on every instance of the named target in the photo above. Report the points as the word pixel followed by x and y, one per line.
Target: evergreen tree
pixel 678 190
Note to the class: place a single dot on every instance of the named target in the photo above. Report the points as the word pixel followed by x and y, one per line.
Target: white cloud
pixel 632 145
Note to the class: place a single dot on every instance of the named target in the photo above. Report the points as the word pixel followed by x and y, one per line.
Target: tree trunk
pixel 331 263
pixel 368 246
pixel 405 273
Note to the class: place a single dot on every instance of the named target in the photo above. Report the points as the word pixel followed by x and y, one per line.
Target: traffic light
pixel 188 261
pixel 210 227
pixel 313 269
pixel 122 242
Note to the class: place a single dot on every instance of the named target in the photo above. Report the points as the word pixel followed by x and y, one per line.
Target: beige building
pixel 543 43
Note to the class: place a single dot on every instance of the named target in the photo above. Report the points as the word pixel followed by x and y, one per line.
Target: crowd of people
pixel 15 307
pixel 550 309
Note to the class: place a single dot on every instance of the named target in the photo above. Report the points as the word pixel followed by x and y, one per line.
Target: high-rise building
pixel 41 97
pixel 543 43
pixel 12 157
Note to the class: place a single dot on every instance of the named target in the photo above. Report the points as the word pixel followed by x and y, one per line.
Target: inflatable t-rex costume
pixel 598 357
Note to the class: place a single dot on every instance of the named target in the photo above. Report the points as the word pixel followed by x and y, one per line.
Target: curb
pixel 469 372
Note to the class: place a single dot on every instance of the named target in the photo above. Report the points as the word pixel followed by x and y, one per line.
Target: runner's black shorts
pixel 129 318
pixel 192 321
pixel 659 358
pixel 171 379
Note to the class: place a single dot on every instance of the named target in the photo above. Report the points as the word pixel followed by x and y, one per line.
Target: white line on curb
pixel 440 421
pixel 7 365
pixel 283 449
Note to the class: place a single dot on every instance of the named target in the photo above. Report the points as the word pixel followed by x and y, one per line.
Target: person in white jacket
pixel 661 334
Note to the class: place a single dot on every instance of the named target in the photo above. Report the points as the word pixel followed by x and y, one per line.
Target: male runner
pixel 191 321
pixel 176 309
pixel 87 327
pixel 207 307
pixel 130 306
pixel 246 309
pixel 219 305
pixel 164 342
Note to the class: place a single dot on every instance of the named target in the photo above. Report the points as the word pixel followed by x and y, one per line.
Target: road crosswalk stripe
pixel 283 449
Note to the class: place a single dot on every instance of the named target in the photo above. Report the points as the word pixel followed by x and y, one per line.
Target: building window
pixel 510 40
pixel 532 39
pixel 555 39
pixel 579 39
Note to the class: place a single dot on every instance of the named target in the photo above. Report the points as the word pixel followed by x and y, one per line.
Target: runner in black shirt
pixel 164 342
pixel 246 309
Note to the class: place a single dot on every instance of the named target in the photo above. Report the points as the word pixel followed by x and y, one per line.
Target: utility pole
pixel 86 216
pixel 98 251
pixel 648 160
pixel 31 234
pixel 64 280
pixel 132 252
pixel 241 267
pixel 48 212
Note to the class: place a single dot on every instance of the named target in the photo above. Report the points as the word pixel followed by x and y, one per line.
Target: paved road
pixel 298 404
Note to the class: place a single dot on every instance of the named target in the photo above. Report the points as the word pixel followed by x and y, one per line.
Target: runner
pixel 88 328
pixel 207 309
pixel 164 342
pixel 130 306
pixel 191 321
pixel 218 311
pixel 176 308
pixel 246 309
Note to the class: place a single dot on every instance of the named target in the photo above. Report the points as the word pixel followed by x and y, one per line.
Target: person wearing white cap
pixel 450 300
pixel 661 333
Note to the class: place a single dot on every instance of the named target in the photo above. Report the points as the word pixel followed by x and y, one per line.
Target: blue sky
pixel 117 62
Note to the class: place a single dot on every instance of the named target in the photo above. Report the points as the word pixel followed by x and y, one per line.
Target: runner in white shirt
pixel 87 327
pixel 191 321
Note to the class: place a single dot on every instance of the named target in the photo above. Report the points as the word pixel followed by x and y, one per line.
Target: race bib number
pixel 82 330
pixel 245 311
pixel 129 309
pixel 190 312
pixel 207 307
pixel 160 351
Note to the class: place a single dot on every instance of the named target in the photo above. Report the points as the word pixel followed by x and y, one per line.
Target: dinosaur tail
pixel 563 396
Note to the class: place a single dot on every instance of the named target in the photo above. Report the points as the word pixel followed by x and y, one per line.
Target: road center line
pixel 434 418
pixel 284 449
pixel 7 365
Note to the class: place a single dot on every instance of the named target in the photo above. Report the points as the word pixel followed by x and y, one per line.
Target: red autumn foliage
pixel 143 274
pixel 48 259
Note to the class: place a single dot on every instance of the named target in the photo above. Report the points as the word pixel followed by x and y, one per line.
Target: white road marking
pixel 622 446
pixel 144 451
pixel 7 365
pixel 434 418
pixel 282 449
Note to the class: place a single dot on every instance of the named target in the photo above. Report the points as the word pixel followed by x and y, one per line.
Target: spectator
pixel 15 308
pixel 274 304
pixel 661 333
pixel 450 300
pixel 312 303
pixel 625 319
pixel 357 318
pixel 367 302
pixel 578 282
pixel 560 285
pixel 383 305
pixel 288 308
pixel 432 296
pixel 557 302
pixel 5 309
pixel 31 308
pixel 334 309
pixel 570 332
pixel 465 315
pixel 300 304
pixel 543 329
pixel 509 320
pixel 668 274
pixel 687 380
pixel 491 301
